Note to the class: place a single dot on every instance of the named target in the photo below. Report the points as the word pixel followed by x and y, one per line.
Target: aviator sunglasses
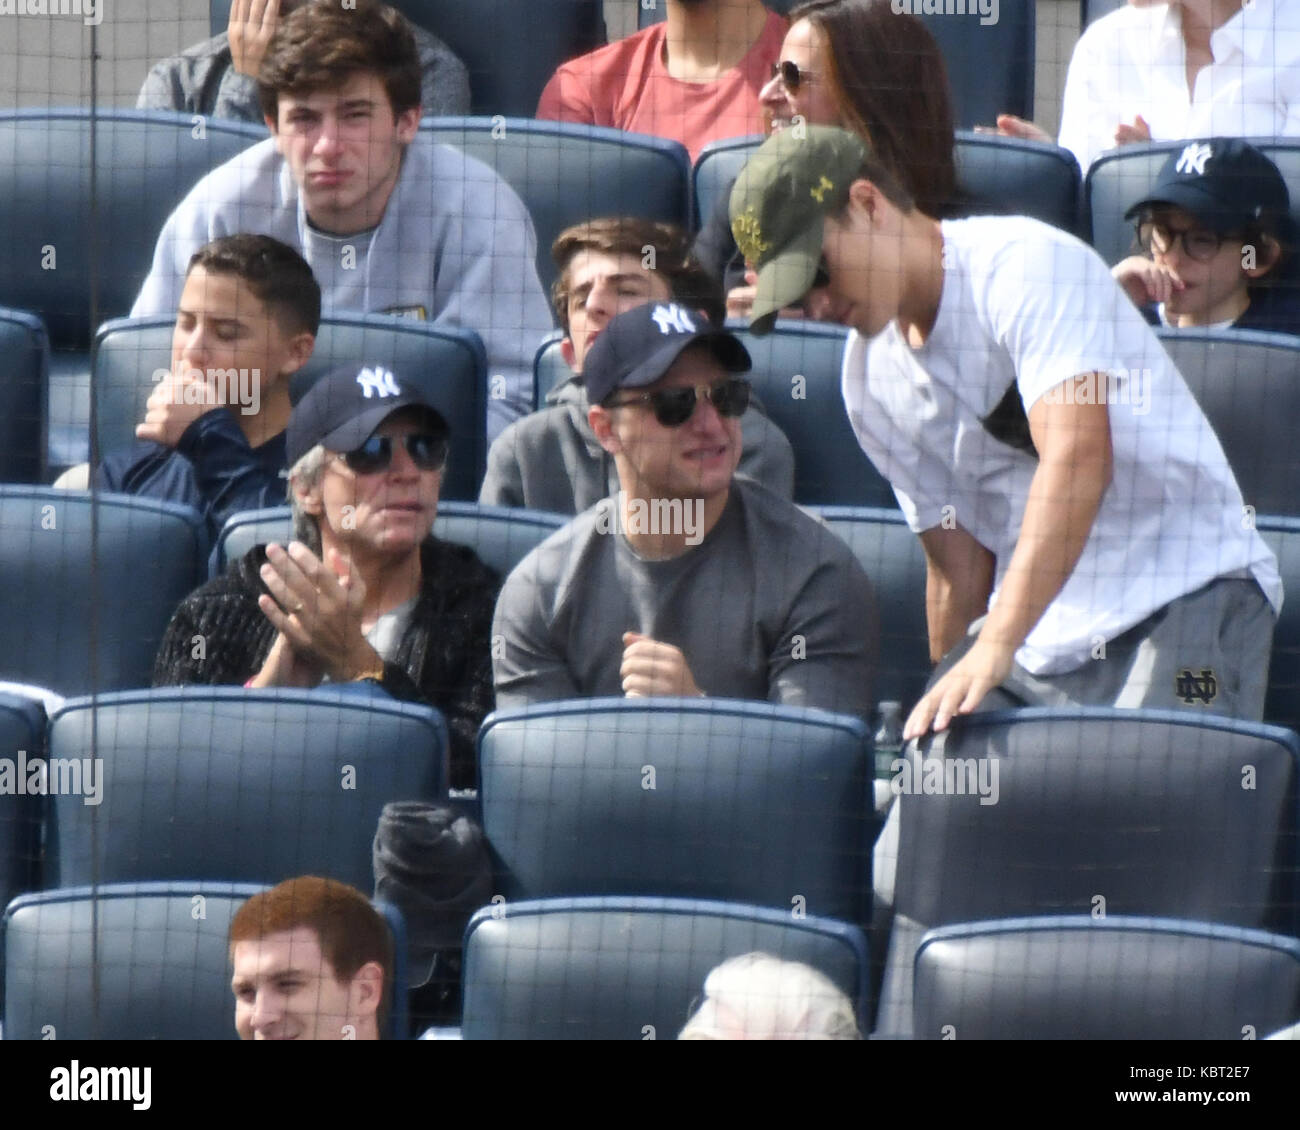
pixel 674 406
pixel 790 75
pixel 428 452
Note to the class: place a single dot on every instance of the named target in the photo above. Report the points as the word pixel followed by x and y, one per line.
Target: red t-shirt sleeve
pixel 567 98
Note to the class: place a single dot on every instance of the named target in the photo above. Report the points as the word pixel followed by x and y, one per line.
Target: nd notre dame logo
pixel 1193 688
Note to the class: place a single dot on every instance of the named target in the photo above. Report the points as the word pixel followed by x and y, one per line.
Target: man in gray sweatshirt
pixel 552 459
pixel 389 221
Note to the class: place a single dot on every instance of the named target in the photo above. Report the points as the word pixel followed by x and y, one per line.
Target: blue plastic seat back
pixel 1111 978
pixel 1248 385
pixel 500 536
pixel 892 557
pixel 90 585
pixel 566 174
pixel 136 961
pixel 741 801
pixel 82 202
pixel 24 385
pixel 251 786
pixel 628 969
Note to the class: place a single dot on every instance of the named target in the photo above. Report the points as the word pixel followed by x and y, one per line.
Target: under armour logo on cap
pixel 378 382
pixel 1193 158
pixel 673 319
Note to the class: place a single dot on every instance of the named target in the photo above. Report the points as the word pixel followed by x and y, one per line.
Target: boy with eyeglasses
pixel 1085 539
pixel 1216 230
pixel 690 581
pixel 364 592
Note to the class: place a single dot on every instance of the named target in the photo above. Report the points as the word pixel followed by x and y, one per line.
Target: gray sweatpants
pixel 1206 651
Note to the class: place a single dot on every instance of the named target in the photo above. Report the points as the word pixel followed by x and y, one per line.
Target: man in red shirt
pixel 694 78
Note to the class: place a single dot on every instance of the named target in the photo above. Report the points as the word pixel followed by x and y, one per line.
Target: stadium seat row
pixel 1091 816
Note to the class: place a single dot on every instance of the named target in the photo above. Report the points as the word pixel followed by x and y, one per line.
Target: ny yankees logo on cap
pixel 378 382
pixel 1193 158
pixel 671 318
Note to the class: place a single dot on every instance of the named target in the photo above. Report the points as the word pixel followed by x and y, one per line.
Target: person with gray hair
pixel 364 592
pixel 760 997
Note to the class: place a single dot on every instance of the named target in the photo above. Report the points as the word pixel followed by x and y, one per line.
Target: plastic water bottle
pixel 888 738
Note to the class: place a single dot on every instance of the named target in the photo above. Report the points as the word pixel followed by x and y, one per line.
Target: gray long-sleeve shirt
pixel 770 605
pixel 202 80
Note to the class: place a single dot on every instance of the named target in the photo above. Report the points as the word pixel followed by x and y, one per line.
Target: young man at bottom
pixel 313 960
pixel 1085 538
pixel 689 581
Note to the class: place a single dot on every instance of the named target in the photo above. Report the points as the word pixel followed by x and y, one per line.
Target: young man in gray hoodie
pixel 552 459
pixel 389 221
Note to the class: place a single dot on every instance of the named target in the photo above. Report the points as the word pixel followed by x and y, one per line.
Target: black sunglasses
pixel 427 452
pixel 790 75
pixel 674 406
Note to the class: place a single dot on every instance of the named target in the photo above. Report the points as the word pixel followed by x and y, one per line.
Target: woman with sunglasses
pixel 1214 232
pixel 364 592
pixel 859 65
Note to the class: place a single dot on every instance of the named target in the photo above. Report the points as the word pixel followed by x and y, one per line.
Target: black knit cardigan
pixel 444 657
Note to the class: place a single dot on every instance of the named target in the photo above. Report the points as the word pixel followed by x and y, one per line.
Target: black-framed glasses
pixel 1200 244
pixel 428 452
pixel 790 75
pixel 674 406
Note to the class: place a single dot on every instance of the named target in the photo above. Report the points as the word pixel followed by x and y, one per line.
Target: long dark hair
pixel 891 84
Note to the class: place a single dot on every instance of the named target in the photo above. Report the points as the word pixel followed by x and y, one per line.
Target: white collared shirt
pixel 1133 61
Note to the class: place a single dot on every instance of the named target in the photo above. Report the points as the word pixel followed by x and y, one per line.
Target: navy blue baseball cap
pixel 345 406
pixel 639 346
pixel 1226 183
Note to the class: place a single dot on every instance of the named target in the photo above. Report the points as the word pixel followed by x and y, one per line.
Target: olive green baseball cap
pixel 794 179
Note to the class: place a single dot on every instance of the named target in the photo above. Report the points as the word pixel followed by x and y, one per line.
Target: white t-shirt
pixel 1133 61
pixel 1026 304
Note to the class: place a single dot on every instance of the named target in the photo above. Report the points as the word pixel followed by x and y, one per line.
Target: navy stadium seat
pixel 510 48
pixel 1248 385
pixel 740 801
pixel 626 968
pixel 550 369
pixel 24 382
pixel 1282 706
pixel 90 584
pixel 567 173
pixel 250 786
pixel 22 743
pixel 77 238
pixel 500 536
pixel 796 375
pixel 1096 811
pixel 892 557
pixel 994 174
pixel 138 961
pixel 1111 978
pixel 448 365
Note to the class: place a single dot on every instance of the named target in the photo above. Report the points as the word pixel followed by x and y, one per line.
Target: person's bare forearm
pixel 958 580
